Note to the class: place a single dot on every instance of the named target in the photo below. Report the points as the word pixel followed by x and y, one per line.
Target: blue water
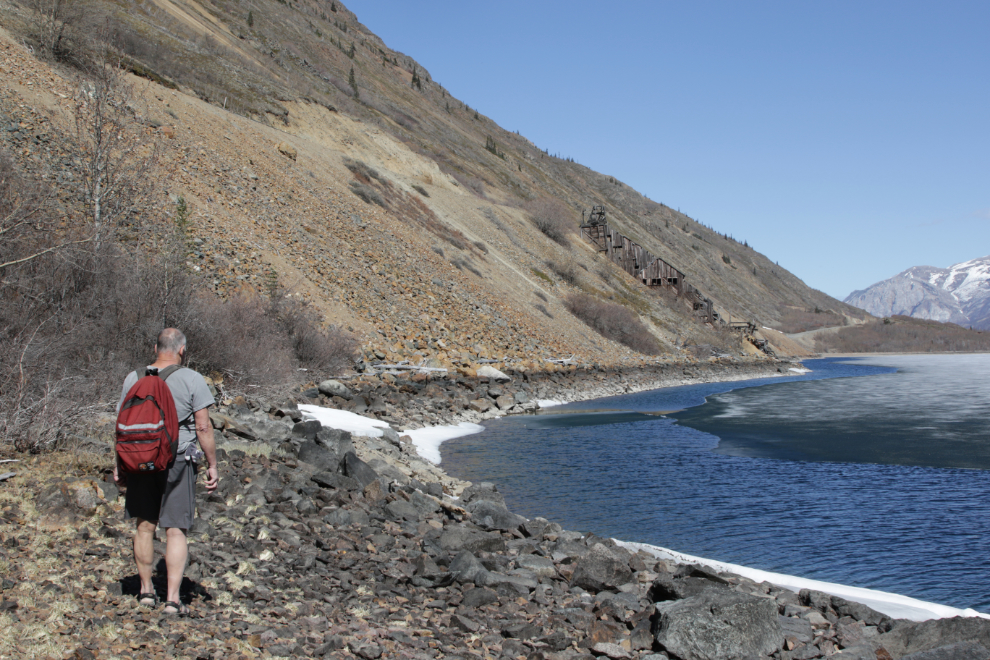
pixel 873 473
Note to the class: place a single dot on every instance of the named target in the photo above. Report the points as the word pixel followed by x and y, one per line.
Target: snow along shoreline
pixel 427 441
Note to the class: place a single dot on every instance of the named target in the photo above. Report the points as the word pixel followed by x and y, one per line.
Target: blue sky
pixel 846 140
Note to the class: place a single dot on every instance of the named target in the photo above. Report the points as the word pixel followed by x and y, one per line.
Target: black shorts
pixel 166 498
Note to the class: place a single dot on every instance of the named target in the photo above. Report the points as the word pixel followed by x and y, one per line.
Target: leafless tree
pixel 116 158
pixel 56 25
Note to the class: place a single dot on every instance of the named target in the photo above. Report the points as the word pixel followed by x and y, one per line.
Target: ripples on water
pixel 906 527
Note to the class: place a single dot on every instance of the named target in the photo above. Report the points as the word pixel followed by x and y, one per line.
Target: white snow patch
pixel 893 605
pixel 550 403
pixel 343 420
pixel 800 371
pixel 427 440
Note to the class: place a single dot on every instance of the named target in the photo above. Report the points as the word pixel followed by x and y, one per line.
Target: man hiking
pixel 168 498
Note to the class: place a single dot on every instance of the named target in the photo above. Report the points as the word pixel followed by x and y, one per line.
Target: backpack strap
pixel 164 374
pixel 168 371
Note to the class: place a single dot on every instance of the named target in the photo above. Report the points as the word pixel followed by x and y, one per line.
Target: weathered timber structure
pixel 641 264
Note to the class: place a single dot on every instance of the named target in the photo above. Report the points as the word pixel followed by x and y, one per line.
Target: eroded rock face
pixel 718 625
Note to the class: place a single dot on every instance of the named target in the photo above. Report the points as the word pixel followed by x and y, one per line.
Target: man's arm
pixel 204 433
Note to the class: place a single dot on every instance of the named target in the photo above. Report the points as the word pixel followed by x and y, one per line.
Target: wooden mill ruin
pixel 641 264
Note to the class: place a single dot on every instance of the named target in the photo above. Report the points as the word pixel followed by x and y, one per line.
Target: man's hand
pixel 118 479
pixel 212 478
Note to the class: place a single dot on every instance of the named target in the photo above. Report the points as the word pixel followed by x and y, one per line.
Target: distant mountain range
pixel 958 294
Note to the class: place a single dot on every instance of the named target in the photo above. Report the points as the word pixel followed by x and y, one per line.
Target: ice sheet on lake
pixel 894 605
pixel 549 403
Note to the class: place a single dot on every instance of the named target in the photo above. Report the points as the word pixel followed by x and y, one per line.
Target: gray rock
pixel 540 566
pixel 798 631
pixel 317 455
pixel 402 510
pixel 862 651
pixel 260 428
pixel 490 372
pixel 306 430
pixel 520 397
pixel 334 480
pixel 391 436
pixel 504 402
pixel 358 470
pixel 915 637
pixel 459 537
pixel 859 612
pixel 478 597
pixel 666 587
pixel 819 600
pixel 468 569
pixel 538 527
pixel 718 625
pixel 335 440
pixel 482 491
pixel 423 503
pixel 960 651
pixel 492 515
pixel 335 388
pixel 601 569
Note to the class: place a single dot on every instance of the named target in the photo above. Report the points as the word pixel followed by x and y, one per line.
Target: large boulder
pixel 482 491
pixel 915 637
pixel 492 515
pixel 718 625
pixel 318 456
pixel 667 587
pixel 337 441
pixel 462 537
pixel 335 388
pixel 600 569
pixel 860 612
pixel 357 469
pixel 260 428
pixel 960 651
pixel 491 373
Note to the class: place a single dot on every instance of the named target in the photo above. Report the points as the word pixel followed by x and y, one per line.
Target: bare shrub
pixel 799 320
pixel 57 26
pixel 361 171
pixel 565 270
pixel 543 309
pixel 474 184
pixel 554 218
pixel 327 350
pixel 613 322
pixel 367 193
pixel 421 190
pixel 481 246
pixel 542 296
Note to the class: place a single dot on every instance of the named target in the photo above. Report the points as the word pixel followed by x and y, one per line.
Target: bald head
pixel 170 341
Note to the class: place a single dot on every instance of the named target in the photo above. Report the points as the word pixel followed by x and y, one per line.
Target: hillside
pixel 378 202
pixel 958 294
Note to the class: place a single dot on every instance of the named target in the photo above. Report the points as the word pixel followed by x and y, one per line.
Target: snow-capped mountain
pixel 958 294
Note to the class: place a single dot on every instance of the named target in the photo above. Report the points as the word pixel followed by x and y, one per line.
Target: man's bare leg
pixel 176 553
pixel 144 552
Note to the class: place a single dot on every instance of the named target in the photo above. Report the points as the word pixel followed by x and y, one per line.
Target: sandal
pixel 180 609
pixel 150 596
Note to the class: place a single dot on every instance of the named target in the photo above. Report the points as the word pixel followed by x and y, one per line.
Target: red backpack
pixel 147 424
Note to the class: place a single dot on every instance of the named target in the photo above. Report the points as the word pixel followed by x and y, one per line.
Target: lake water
pixel 867 472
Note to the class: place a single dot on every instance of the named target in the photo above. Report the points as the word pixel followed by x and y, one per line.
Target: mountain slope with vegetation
pixel 275 179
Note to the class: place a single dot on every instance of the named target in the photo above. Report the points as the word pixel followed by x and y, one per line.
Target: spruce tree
pixel 352 81
pixel 250 20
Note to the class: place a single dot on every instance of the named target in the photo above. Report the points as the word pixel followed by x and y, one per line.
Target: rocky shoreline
pixel 324 544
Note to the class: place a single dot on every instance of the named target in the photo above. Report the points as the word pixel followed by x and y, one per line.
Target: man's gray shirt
pixel 190 393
